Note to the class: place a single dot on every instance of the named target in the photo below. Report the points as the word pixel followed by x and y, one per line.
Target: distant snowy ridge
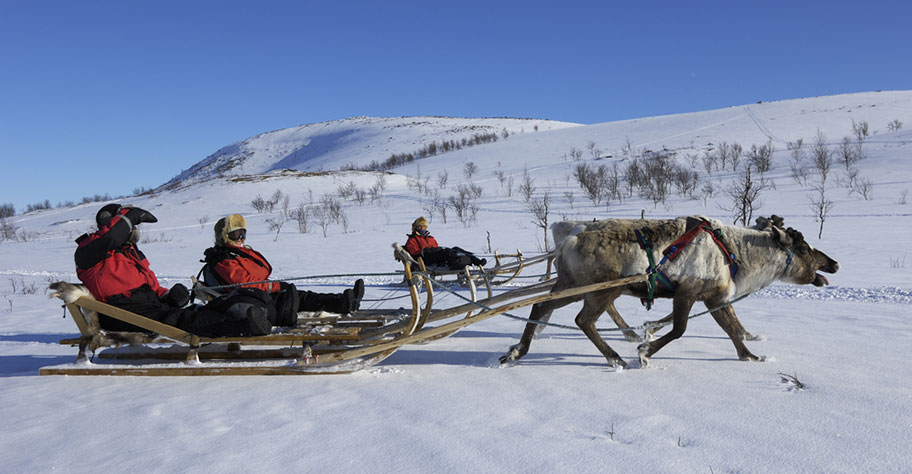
pixel 355 141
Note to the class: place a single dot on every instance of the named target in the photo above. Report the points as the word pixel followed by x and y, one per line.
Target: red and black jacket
pixel 231 264
pixel 109 264
pixel 417 243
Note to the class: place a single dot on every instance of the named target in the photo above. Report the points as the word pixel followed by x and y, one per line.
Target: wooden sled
pixel 167 350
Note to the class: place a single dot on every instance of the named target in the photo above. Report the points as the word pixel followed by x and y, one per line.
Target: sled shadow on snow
pixel 28 365
pixel 39 338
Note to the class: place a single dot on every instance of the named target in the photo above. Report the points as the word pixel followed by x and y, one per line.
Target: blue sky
pixel 107 97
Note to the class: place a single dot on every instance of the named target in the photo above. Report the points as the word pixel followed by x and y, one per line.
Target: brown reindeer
pixel 699 272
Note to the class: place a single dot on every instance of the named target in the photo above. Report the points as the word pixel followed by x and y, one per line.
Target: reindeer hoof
pixel 753 358
pixel 514 354
pixel 618 364
pixel 643 352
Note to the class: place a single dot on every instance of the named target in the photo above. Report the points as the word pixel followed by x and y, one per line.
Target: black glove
pixel 138 216
pixel 178 296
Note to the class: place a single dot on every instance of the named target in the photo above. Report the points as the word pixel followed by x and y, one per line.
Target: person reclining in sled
pixel 232 262
pixel 422 244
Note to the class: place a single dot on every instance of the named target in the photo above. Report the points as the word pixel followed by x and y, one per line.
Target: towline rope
pixel 642 327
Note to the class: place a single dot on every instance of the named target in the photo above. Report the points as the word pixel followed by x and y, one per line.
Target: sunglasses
pixel 239 234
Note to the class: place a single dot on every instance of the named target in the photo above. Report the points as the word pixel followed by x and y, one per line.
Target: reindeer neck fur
pixel 762 260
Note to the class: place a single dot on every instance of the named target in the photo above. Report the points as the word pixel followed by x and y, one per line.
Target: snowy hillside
pixel 448 406
pixel 354 142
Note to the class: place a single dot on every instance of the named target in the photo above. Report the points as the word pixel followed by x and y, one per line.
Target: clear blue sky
pixel 106 97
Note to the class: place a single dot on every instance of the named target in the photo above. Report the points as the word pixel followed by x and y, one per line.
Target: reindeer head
pixel 806 260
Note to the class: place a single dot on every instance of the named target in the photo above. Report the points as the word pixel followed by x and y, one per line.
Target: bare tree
pixel 895 125
pixel 860 130
pixel 540 209
pixel 469 169
pixel 822 157
pixel 276 222
pixel 595 152
pixel 735 155
pixel 301 215
pixel 796 161
pixel 744 197
pixel 527 187
pixel 576 154
pixel 442 178
pixel 761 157
pixel 821 206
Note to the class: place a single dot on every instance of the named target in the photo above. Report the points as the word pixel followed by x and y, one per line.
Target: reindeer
pixel 699 272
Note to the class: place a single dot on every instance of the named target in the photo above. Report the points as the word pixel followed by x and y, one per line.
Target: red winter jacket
pixel 109 264
pixel 416 243
pixel 235 264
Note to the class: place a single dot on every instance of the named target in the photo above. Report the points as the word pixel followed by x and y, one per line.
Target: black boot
pixel 358 293
pixel 332 302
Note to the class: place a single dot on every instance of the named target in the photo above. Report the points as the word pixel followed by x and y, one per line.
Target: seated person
pixel 116 272
pixel 422 244
pixel 230 262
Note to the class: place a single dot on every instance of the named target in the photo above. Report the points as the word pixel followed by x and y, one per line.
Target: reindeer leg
pixel 680 311
pixel 540 312
pixel 629 334
pixel 728 321
pixel 658 325
pixel 586 321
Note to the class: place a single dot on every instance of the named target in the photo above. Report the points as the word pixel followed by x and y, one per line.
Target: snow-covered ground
pixel 448 406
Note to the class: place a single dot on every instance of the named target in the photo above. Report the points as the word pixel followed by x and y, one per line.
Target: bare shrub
pixel 820 206
pixel 442 178
pixel 744 196
pixel 593 150
pixel 592 180
pixel 860 130
pixel 527 187
pixel 540 209
pixel 895 125
pixel 463 203
pixel 301 215
pixel 469 169
pixel 203 221
pixel 761 158
pixel 7 210
pixel 822 157
pixel 796 161
pixel 902 196
pixel 709 161
pixel 576 154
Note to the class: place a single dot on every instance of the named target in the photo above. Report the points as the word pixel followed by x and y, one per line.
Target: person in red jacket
pixel 116 272
pixel 232 262
pixel 422 244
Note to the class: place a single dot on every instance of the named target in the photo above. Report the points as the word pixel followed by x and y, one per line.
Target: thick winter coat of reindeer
pixel 699 272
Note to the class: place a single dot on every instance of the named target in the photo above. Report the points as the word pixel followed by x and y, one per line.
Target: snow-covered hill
pixel 354 142
pixel 448 406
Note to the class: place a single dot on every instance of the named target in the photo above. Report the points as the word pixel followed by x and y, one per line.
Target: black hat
pixel 105 214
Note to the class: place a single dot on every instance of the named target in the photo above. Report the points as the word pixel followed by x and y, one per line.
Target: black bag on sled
pixel 250 309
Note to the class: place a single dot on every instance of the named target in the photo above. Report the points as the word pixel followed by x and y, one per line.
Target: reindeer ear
pixel 782 237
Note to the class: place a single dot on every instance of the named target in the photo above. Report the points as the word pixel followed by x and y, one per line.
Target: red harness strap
pixel 672 251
